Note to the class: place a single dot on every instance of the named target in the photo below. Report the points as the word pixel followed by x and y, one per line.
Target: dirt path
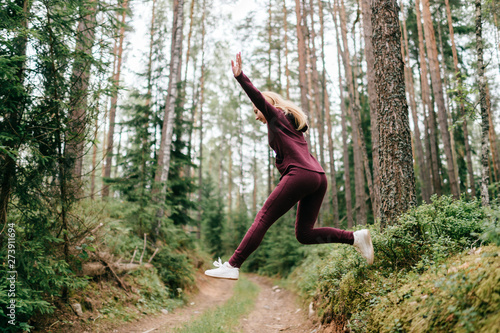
pixel 276 310
pixel 212 292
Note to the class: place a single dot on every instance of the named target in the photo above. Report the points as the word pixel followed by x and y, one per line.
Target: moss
pixel 462 295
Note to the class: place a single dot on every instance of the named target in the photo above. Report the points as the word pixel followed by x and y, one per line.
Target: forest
pixel 130 157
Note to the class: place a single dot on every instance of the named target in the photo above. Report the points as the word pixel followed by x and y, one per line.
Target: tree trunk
pixel 458 77
pixel 357 132
pixel 164 152
pixel 437 87
pixel 326 106
pixel 202 100
pixel 114 100
pixel 316 89
pixel 493 139
pixel 485 198
pixel 428 106
pixel 423 172
pixel 79 93
pixel 448 107
pixel 372 98
pixel 347 176
pixel 396 163
pixel 302 57
pixel 287 69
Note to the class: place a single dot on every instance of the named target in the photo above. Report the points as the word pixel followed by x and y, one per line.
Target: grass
pixel 225 318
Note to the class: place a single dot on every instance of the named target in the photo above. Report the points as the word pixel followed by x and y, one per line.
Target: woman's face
pixel 258 115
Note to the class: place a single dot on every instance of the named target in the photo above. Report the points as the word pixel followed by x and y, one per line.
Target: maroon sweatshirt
pixel 287 142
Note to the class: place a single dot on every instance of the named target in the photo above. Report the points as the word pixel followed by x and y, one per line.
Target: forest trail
pixel 212 293
pixel 276 310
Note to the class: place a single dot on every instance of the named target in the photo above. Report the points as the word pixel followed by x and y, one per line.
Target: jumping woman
pixel 303 180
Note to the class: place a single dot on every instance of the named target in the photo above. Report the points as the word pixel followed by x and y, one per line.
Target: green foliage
pixel 280 252
pixel 175 271
pixel 345 290
pixel 213 219
pixel 462 295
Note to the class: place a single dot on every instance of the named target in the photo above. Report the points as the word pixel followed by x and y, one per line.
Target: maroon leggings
pixel 297 185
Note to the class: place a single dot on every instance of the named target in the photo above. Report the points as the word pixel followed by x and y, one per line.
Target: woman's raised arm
pixel 253 93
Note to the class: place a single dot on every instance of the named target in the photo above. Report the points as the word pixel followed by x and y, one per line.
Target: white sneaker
pixel 363 244
pixel 223 271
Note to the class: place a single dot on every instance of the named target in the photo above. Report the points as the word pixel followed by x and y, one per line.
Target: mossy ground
pixel 460 295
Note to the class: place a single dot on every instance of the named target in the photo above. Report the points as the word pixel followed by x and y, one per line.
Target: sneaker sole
pixel 223 278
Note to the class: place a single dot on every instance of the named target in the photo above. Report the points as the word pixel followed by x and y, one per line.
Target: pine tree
pixel 397 178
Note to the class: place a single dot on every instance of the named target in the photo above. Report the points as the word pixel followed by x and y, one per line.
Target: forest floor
pixel 276 310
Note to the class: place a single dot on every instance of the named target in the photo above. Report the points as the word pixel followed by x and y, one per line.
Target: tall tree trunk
pixel 94 159
pixel 485 198
pixel 114 101
pixel 437 87
pixel 287 69
pixel 79 93
pixel 493 139
pixel 202 100
pixel 357 132
pixel 164 152
pixel 347 176
pixel 372 98
pixel 359 181
pixel 428 106
pixel 423 172
pixel 302 57
pixel 316 88
pixel 326 106
pixel 396 169
pixel 448 107
pixel 458 77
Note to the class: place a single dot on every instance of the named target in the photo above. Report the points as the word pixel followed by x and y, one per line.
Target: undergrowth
pixel 347 293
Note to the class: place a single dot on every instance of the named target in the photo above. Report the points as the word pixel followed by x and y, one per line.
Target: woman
pixel 303 180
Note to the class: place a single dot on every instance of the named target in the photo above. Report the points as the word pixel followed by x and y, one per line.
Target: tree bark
pixel 396 162
pixel 114 101
pixel 202 100
pixel 287 68
pixel 458 77
pixel 428 106
pixel 79 93
pixel 372 98
pixel 419 151
pixel 326 106
pixel 493 139
pixel 485 198
pixel 347 176
pixel 437 87
pixel 302 57
pixel 164 152
pixel 357 131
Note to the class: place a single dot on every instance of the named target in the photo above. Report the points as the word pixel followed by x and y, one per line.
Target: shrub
pixel 344 288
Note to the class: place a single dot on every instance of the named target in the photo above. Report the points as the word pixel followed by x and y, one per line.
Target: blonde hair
pixel 288 108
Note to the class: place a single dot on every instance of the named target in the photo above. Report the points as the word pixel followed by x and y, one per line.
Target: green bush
pixel 345 290
pixel 175 270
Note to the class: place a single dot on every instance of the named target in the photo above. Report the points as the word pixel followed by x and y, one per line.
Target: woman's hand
pixel 236 66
